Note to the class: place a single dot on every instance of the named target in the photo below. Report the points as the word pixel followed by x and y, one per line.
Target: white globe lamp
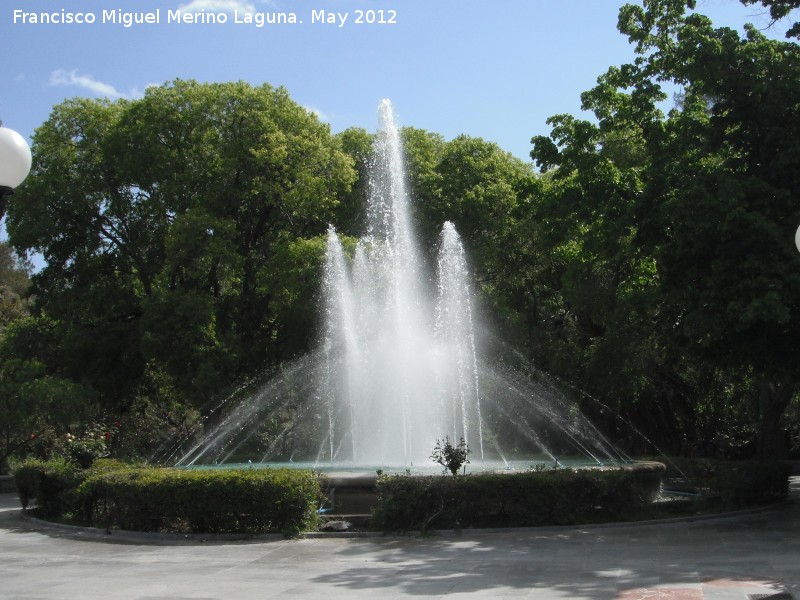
pixel 797 238
pixel 15 160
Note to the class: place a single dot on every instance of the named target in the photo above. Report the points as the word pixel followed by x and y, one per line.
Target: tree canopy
pixel 706 193
pixel 168 224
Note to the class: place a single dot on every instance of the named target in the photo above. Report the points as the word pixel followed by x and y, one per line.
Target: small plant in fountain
pixel 449 456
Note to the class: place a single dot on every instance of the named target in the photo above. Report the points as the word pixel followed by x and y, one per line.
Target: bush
pixel 449 456
pixel 52 483
pixel 560 497
pixel 208 501
pixel 140 498
pixel 731 484
pixel 735 485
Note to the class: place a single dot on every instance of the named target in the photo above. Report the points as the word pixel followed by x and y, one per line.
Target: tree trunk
pixel 773 398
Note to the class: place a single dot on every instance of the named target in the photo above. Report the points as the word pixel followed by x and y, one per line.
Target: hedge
pixel 52 483
pixel 114 495
pixel 559 497
pixel 182 500
pixel 742 484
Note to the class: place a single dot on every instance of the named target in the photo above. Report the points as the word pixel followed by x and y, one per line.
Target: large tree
pixel 167 225
pixel 713 198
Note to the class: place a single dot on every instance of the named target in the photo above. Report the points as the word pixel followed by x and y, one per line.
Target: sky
pixel 495 69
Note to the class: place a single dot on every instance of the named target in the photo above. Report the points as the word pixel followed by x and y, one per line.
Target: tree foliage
pixel 690 214
pixel 167 224
pixel 778 10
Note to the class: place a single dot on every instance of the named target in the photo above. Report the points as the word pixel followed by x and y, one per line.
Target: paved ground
pixel 743 558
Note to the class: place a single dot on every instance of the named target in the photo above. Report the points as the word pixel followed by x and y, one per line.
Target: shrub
pixel 52 483
pixel 730 485
pixel 560 497
pixel 86 449
pixel 449 456
pixel 209 501
pixel 141 498
pixel 748 483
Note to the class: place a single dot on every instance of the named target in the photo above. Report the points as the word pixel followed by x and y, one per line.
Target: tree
pixel 351 212
pixel 715 188
pixel 780 9
pixel 15 423
pixel 478 187
pixel 14 284
pixel 166 224
pixel 37 405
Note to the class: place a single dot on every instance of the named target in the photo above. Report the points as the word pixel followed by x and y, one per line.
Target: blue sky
pixel 490 68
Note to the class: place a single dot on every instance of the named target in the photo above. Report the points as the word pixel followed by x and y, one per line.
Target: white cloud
pixel 139 93
pixel 319 114
pixel 87 82
pixel 227 6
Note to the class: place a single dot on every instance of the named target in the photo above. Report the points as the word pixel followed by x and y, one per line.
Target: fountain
pixel 400 364
pixel 400 370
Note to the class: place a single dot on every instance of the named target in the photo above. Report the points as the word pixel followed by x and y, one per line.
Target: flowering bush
pixel 85 450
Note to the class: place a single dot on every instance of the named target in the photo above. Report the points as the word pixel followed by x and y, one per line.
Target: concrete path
pixel 744 558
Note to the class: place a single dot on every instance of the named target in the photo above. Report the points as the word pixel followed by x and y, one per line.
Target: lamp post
pixel 15 161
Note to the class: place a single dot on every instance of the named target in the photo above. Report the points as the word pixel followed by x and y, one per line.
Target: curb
pixel 144 537
pixel 148 536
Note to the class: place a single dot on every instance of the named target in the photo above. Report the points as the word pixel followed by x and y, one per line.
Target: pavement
pixel 745 557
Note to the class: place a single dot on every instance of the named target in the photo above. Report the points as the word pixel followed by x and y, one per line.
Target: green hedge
pixel 209 501
pixel 51 483
pixel 159 499
pixel 110 494
pixel 747 483
pixel 560 497
pixel 730 484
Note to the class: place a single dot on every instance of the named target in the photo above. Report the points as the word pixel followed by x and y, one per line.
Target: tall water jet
pixel 459 380
pixel 399 374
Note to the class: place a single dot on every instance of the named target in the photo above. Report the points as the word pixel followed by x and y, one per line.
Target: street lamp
pixel 797 238
pixel 15 161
